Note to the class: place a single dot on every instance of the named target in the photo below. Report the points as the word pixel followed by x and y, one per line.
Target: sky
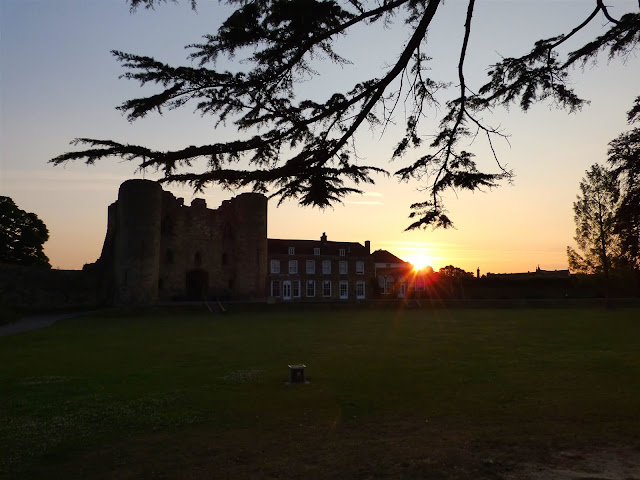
pixel 58 81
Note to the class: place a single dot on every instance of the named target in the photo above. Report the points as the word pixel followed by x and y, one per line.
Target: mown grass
pixel 392 394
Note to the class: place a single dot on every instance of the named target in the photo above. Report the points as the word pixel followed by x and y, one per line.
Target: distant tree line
pixel 607 211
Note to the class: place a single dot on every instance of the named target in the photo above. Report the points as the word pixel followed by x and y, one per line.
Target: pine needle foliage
pixel 304 149
pixel 595 218
pixel 624 159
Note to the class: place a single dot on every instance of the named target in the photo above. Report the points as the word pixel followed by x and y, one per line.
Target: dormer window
pixel 342 252
pixel 316 251
pixel 292 250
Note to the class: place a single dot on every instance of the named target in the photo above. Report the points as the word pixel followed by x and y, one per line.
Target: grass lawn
pixel 432 394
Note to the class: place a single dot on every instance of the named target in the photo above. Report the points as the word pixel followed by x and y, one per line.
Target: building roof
pixel 527 275
pixel 384 256
pixel 306 247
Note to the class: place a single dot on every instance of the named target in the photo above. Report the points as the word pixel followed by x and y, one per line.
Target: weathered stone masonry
pixel 156 248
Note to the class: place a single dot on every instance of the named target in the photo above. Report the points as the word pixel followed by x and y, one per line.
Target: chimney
pixel 367 245
pixel 323 238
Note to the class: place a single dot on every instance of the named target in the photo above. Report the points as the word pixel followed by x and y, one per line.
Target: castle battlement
pixel 156 248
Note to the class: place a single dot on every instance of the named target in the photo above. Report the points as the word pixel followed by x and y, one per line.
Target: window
pixel 316 251
pixel 311 266
pixel 326 288
pixel 295 287
pixel 326 267
pixel 342 252
pixel 360 289
pixel 420 284
pixel 386 285
pixel 292 250
pixel 311 288
pixel 389 285
pixel 293 266
pixel 360 268
pixel 344 289
pixel 275 288
pixel 343 268
pixel 286 290
pixel 275 266
pixel 403 289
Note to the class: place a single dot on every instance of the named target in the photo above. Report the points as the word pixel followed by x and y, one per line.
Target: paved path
pixel 34 322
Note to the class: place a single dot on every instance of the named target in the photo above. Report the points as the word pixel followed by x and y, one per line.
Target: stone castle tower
pixel 158 249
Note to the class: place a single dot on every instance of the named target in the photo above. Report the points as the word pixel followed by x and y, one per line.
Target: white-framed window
pixel 292 250
pixel 286 290
pixel 311 266
pixel 360 267
pixel 295 288
pixel 360 289
pixel 275 288
pixel 386 284
pixel 326 267
pixel 326 288
pixel 293 266
pixel 389 285
pixel 316 251
pixel 344 289
pixel 343 267
pixel 311 288
pixel 342 252
pixel 275 266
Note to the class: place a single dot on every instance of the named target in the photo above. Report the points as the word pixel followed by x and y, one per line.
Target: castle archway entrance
pixel 197 284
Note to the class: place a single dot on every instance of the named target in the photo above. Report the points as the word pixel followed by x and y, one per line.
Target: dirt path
pixel 35 322
pixel 620 463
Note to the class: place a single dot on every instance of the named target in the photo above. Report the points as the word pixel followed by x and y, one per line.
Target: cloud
pixel 365 202
pixel 61 175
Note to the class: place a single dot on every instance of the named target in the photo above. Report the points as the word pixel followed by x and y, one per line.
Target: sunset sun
pixel 419 261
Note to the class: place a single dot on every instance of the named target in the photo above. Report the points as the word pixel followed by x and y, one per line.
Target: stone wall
pixel 158 249
pixel 45 288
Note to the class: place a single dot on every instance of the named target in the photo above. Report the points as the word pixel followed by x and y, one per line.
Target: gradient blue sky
pixel 58 81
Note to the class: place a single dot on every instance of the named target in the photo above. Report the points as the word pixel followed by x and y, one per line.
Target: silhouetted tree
pixel 452 279
pixel 454 272
pixel 624 157
pixel 595 218
pixel 22 236
pixel 304 149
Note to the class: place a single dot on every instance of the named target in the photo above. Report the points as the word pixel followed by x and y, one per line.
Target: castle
pixel 158 249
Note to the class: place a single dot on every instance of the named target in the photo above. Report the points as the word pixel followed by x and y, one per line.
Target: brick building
pixel 317 270
pixel 396 278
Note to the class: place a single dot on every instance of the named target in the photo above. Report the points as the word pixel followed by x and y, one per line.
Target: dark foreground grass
pixel 392 394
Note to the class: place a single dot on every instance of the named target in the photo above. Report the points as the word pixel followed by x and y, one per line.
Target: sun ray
pixel 419 261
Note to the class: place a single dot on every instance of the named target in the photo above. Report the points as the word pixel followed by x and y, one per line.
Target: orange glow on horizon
pixel 419 261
